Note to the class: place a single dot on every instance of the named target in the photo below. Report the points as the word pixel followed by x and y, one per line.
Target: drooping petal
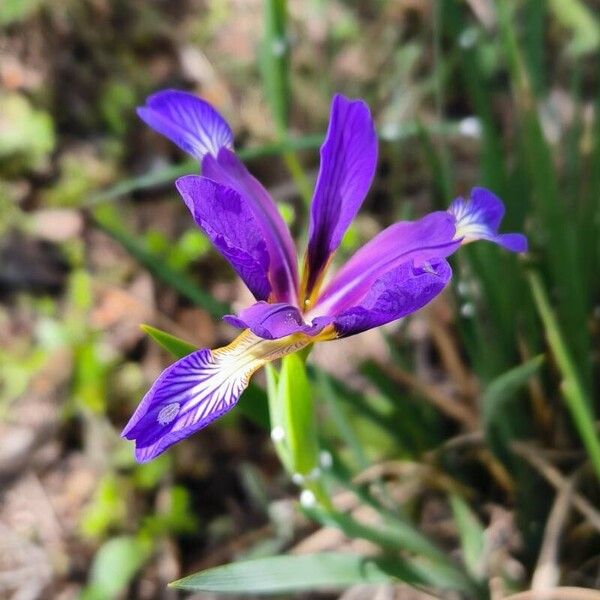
pixel 396 294
pixel 198 389
pixel 226 168
pixel 188 121
pixel 432 237
pixel 230 224
pixel 348 161
pixel 273 321
pixel 478 218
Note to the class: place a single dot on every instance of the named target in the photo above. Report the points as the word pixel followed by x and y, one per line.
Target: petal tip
pixel 188 121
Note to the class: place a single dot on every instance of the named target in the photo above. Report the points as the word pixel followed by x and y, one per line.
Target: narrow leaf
pixel 114 566
pixel 572 388
pixel 185 286
pixel 296 400
pixel 471 535
pixel 284 574
pixel 176 346
pixel 504 388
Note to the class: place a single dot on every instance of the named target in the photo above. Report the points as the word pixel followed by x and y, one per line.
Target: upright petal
pixel 432 237
pixel 348 160
pixel 479 217
pixel 226 168
pixel 230 224
pixel 198 389
pixel 398 293
pixel 274 321
pixel 188 121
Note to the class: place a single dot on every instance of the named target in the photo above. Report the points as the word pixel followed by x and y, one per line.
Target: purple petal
pixel 188 396
pixel 198 389
pixel 274 321
pixel 479 217
pixel 230 224
pixel 348 160
pixel 228 170
pixel 191 123
pixel 431 237
pixel 396 294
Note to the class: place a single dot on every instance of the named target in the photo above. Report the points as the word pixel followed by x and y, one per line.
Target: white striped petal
pixel 199 388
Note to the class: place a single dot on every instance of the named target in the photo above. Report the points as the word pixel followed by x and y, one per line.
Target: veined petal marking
pixel 200 387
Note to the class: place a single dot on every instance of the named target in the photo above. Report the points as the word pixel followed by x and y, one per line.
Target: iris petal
pixel 226 168
pixel 198 389
pixel 230 224
pixel 432 237
pixel 197 128
pixel 398 293
pixel 348 161
pixel 188 121
pixel 479 217
pixel 273 321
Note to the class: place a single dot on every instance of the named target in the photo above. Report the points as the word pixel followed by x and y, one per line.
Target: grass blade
pixel 176 346
pixel 286 574
pixel 397 536
pixel 178 281
pixel 500 425
pixel 471 533
pixel 562 250
pixel 167 174
pixel 573 391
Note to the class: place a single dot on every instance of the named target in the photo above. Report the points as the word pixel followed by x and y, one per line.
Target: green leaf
pixel 576 16
pixel 394 535
pixel 297 411
pixel 274 54
pixel 176 346
pixel 284 574
pixel 276 417
pixel 14 11
pixel 169 173
pixel 114 566
pixel 471 535
pixel 573 391
pixel 28 135
pixel 563 255
pixel 106 220
pixel 503 388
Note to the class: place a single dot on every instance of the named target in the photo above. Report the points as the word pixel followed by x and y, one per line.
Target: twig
pixel 432 393
pixel 451 358
pixel 559 593
pixel 556 479
pixel 547 572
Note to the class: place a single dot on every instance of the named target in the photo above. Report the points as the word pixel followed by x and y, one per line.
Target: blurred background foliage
pixel 465 436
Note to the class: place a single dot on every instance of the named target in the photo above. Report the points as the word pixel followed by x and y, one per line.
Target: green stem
pixel 299 177
pixel 395 539
pixel 571 386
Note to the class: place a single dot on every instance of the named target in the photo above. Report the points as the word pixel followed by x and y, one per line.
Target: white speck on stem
pixel 277 434
pixel 467 310
pixel 314 474
pixel 468 38
pixel 307 499
pixel 278 47
pixel 325 459
pixel 462 288
pixel 470 127
pixel 298 478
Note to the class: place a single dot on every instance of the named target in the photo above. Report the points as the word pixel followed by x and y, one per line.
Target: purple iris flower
pixel 399 271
